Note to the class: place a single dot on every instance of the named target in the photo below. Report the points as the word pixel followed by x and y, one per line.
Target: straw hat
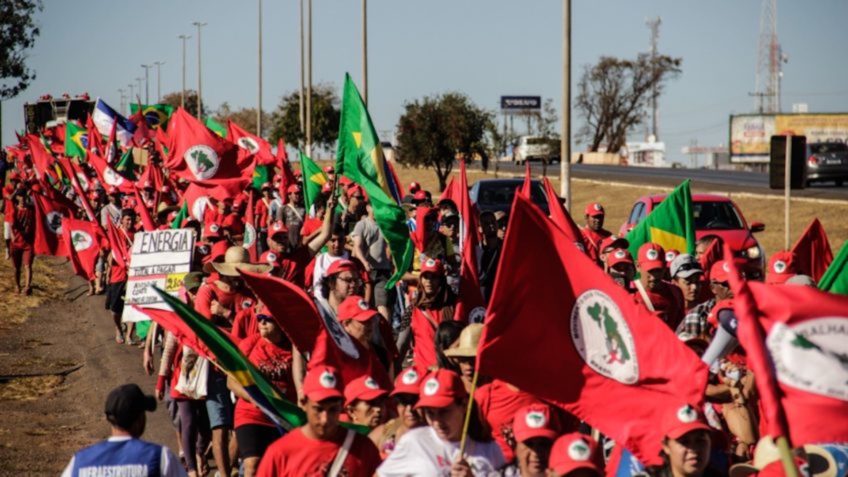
pixel 235 259
pixel 466 345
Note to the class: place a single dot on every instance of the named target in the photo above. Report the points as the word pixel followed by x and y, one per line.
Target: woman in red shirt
pixel 21 245
pixel 271 352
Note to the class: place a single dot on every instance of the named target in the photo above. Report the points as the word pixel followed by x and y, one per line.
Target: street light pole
pixel 302 73
pixel 123 99
pixel 565 143
pixel 182 91
pixel 132 92
pixel 259 100
pixel 365 51
pixel 147 83
pixel 309 81
pixel 139 79
pixel 199 80
pixel 159 80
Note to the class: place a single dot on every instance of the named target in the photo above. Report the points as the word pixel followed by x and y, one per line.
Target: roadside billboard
pixel 750 134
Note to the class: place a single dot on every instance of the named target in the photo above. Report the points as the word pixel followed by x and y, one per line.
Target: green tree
pixel 244 117
pixel 612 96
pixel 434 131
pixel 17 34
pixel 285 120
pixel 190 102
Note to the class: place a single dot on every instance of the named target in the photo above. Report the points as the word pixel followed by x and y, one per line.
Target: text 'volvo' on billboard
pixel 521 102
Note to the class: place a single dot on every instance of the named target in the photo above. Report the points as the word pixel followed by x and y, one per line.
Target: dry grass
pixel 618 199
pixel 30 389
pixel 15 309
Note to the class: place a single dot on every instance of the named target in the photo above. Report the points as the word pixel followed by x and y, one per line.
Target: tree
pixel 434 131
pixel 285 120
pixel 612 96
pixel 17 34
pixel 244 117
pixel 190 102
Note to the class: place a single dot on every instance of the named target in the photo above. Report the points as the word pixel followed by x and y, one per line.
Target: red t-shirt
pixel 233 301
pixel 593 241
pixel 234 224
pixel 293 266
pixel 297 455
pixel 274 362
pixel 327 353
pixel 668 303
pixel 245 325
pixel 424 336
pixel 498 404
pixel 23 228
pixel 260 210
pixel 119 272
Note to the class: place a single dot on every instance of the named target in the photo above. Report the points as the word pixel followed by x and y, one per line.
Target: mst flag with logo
pixel 48 226
pixel 197 154
pixel 251 143
pixel 108 176
pixel 671 224
pixel 835 279
pixel 84 239
pixel 796 339
pixel 812 251
pixel 584 343
pixel 360 158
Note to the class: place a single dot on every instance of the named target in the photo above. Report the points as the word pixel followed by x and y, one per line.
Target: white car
pixel 532 148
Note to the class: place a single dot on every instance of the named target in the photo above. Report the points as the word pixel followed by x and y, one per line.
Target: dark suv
pixel 497 194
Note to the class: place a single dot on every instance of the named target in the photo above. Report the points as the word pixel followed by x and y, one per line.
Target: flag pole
pixel 786 456
pixel 464 439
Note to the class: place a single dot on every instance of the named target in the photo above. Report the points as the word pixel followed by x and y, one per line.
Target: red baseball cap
pixel 212 230
pixel 353 189
pixel 651 257
pixel 414 187
pixel 407 382
pixel 681 420
pixel 329 170
pixel 720 271
pixel 781 267
pixel 619 255
pixel 217 250
pixel 574 451
pixel 432 265
pixel 420 195
pixel 293 188
pixel 327 187
pixel 266 185
pixel 339 266
pixel 364 388
pixel 277 227
pixel 671 254
pixel 440 388
pixel 356 308
pixel 322 382
pixel 595 208
pixel 270 258
pixel 533 421
pixel 613 241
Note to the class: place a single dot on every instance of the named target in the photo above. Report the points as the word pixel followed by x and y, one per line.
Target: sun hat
pixel 466 344
pixel 236 258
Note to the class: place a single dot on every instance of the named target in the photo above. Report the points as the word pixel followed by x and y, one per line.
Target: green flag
pixel 76 138
pixel 126 165
pixel 155 114
pixel 313 179
pixel 360 159
pixel 216 127
pixel 181 215
pixel 261 175
pixel 671 224
pixel 835 278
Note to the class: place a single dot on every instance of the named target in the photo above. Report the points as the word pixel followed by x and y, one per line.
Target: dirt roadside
pixel 68 344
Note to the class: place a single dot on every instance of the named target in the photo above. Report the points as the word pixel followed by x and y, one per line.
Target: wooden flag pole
pixel 464 439
pixel 786 456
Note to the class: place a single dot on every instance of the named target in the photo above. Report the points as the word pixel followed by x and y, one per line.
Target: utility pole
pixel 365 51
pixel 565 143
pixel 199 80
pixel 259 100
pixel 131 86
pixel 654 26
pixel 147 83
pixel 309 81
pixel 123 99
pixel 302 72
pixel 158 80
pixel 183 90
pixel 769 59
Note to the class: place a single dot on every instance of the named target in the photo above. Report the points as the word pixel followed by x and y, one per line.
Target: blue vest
pixel 124 458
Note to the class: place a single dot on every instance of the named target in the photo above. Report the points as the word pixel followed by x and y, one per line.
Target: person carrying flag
pixel 321 446
pixel 653 291
pixel 20 246
pixel 435 303
pixel 118 275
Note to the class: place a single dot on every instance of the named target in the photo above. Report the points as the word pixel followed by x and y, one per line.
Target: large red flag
pixel 74 176
pixel 527 185
pixel 83 239
pixel 471 306
pixel 119 243
pixel 42 159
pixel 146 220
pixel 48 226
pixel 584 343
pixel 198 195
pixel 812 251
pixel 109 177
pixel 173 324
pixel 198 154
pixel 561 217
pixel 286 171
pixel 251 143
pixel 795 339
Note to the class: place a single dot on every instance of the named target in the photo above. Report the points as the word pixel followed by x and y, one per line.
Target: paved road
pixel 734 181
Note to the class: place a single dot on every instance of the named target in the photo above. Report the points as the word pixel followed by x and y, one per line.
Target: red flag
pixel 42 159
pixel 198 154
pixel 561 217
pixel 471 306
pixel 249 241
pixel 812 251
pixel 142 134
pixel 251 143
pixel 119 243
pixel 285 170
pixel 95 140
pixel 795 339
pixel 83 239
pixel 290 307
pixel 146 220
pixel 109 177
pixel 711 255
pixel 68 169
pixel 584 343
pixel 527 186
pixel 176 326
pixel 198 194
pixel 48 226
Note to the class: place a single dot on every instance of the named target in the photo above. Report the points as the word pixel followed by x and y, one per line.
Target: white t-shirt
pixel 420 452
pixel 322 263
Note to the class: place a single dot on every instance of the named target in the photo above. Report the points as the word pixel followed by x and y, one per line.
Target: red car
pixel 714 215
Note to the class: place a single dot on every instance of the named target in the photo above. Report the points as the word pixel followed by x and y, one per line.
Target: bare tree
pixel 612 96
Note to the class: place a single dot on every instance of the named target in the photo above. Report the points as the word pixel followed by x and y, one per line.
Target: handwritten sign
pixel 160 258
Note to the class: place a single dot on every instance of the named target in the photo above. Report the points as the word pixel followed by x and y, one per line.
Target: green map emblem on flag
pixel 202 160
pixel 671 224
pixel 602 337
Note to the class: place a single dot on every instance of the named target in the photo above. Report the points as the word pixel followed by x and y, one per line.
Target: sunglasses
pixel 263 318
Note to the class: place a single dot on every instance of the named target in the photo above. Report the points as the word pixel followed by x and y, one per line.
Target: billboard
pixel 521 102
pixel 750 134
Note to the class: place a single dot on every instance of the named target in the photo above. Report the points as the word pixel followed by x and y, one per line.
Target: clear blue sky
pixel 484 48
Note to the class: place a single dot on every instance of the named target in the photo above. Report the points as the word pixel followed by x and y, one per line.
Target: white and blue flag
pixel 104 117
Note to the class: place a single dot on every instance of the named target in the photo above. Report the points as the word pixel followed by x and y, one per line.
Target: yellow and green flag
pixel 76 140
pixel 671 224
pixel 835 278
pixel 216 127
pixel 313 179
pixel 155 114
pixel 360 158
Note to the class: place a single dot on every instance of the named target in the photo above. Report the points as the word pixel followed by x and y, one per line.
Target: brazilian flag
pixel 126 165
pixel 835 278
pixel 314 179
pixel 216 127
pixel 76 140
pixel 156 115
pixel 261 175
pixel 671 224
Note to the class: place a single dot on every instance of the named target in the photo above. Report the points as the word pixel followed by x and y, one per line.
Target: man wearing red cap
pixel 534 431
pixel 781 267
pixel 355 208
pixel 321 446
pixel 261 210
pixel 292 213
pixel 686 442
pixel 434 449
pixel 653 291
pixel 405 395
pixel 594 230
pixel 619 266
pixel 365 401
pixel 575 455
pixel 435 303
